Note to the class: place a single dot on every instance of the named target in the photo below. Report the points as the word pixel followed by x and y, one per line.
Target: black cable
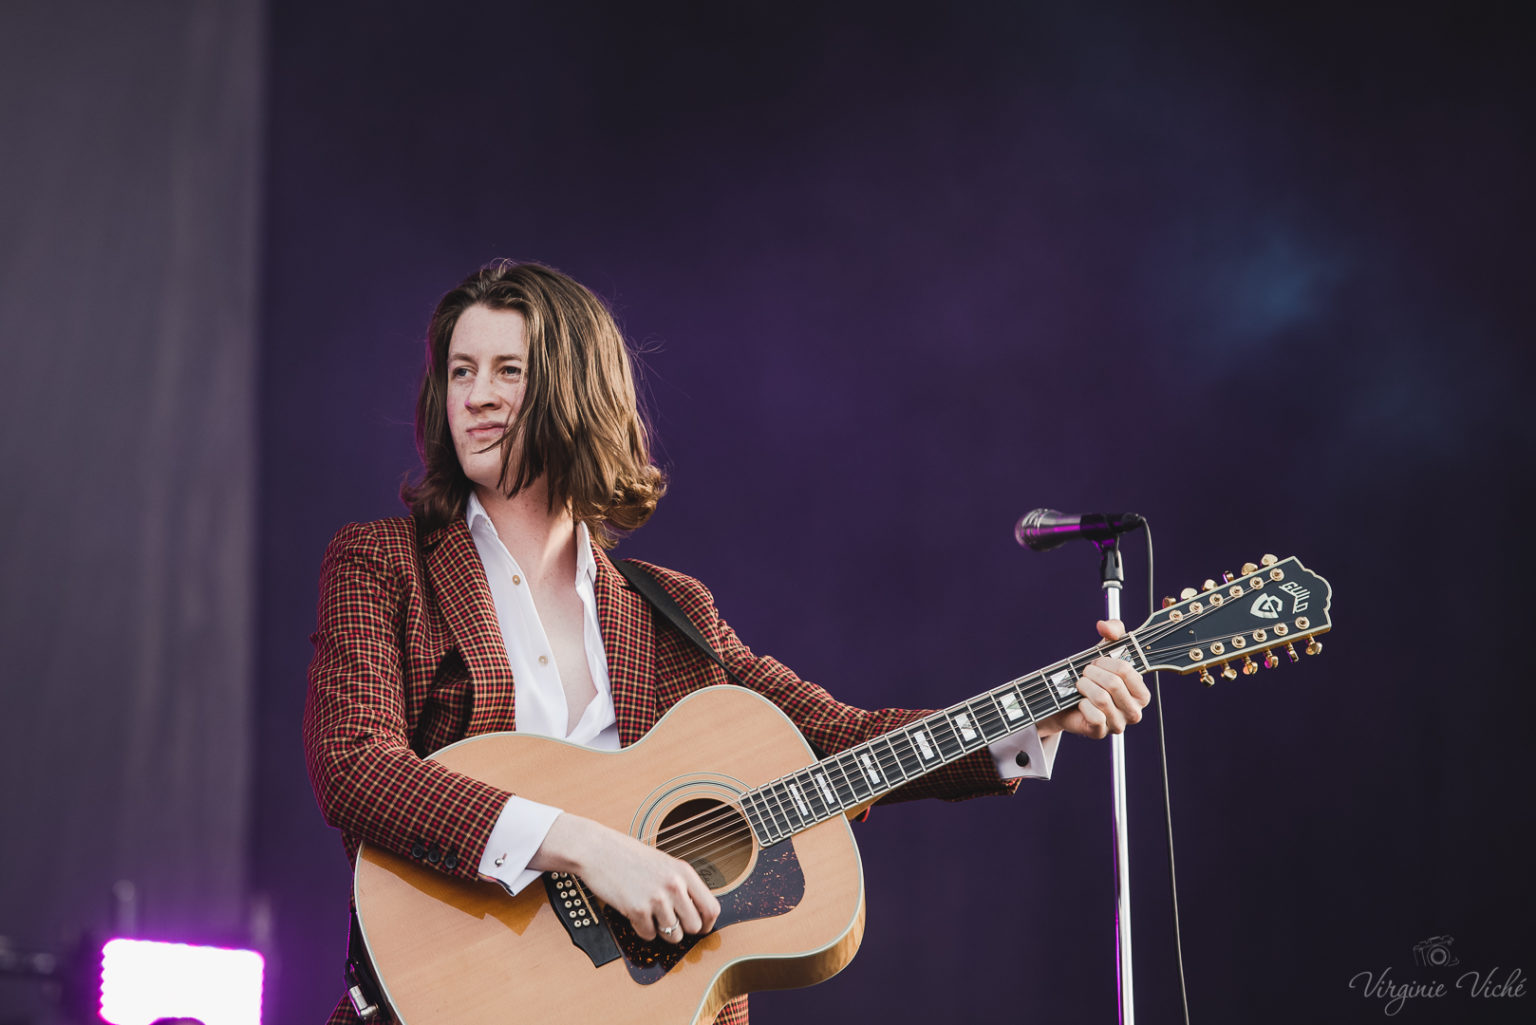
pixel 1162 748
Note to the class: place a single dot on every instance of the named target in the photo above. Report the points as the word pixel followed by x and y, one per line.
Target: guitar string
pixel 729 824
pixel 722 843
pixel 699 828
pixel 706 829
pixel 727 821
pixel 702 827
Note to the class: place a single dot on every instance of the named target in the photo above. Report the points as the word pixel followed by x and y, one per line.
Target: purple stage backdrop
pixel 899 274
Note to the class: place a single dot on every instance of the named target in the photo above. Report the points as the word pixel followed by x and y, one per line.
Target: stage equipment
pixel 1044 529
pixel 143 981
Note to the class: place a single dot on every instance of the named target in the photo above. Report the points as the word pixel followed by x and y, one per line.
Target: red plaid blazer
pixel 401 616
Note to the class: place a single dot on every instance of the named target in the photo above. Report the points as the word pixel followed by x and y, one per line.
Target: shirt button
pixel 543 660
pixel 516 579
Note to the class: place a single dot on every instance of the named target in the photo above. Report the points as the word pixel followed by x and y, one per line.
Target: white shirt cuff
pixel 515 839
pixel 1039 755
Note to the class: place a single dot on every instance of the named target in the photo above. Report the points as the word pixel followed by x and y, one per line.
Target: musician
pixel 494 606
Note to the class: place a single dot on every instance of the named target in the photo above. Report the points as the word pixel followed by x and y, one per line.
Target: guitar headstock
pixel 1223 626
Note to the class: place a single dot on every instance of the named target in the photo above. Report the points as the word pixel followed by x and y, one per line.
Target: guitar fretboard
pixel 866 772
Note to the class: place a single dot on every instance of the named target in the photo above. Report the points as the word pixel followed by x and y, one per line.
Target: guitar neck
pixel 857 777
pixel 1219 628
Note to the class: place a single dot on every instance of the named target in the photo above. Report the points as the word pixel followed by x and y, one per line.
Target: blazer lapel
pixel 629 639
pixel 464 597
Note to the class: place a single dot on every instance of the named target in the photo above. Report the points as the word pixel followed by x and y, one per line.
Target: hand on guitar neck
pixel 1113 696
pixel 662 896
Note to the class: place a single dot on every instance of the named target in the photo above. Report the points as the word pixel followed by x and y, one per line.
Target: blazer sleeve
pixel 367 780
pixel 827 723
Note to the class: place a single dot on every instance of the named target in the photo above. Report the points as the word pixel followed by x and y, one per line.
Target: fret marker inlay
pixel 1063 684
pixel 869 768
pixel 826 788
pixel 1011 706
pixel 799 800
pixel 922 744
pixel 963 724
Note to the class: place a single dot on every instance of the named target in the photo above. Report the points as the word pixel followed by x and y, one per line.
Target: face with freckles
pixel 487 364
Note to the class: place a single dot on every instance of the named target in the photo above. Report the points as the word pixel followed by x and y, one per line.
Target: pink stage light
pixel 142 982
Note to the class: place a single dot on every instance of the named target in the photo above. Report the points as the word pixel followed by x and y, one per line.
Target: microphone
pixel 1044 529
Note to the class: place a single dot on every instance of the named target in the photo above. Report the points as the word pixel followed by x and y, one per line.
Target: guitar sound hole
pixel 712 837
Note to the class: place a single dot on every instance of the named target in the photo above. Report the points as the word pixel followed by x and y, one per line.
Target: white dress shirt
pixel 541 705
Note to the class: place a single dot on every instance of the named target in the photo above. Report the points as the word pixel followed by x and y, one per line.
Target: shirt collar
pixel 475 512
pixel 475 517
pixel 586 566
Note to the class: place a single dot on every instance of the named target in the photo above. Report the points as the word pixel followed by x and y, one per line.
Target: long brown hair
pixel 580 426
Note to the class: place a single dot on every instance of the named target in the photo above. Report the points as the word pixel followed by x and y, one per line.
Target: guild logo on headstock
pixel 1267 606
pixel 1299 595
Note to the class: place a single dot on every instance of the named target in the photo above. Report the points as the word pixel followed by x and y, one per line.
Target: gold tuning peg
pixel 1188 592
pixel 1314 647
pixel 1167 602
pixel 1209 585
pixel 1206 677
pixel 1228 576
pixel 1290 650
pixel 1250 666
pixel 1270 661
pixel 1228 672
pixel 1248 568
pixel 1268 560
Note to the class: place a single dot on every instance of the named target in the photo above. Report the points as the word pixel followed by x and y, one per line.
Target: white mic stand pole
pixel 1112 577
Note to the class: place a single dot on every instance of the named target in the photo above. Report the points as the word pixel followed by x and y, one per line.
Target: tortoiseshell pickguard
pixel 775 887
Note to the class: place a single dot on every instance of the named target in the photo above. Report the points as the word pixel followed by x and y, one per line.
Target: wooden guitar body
pixel 451 952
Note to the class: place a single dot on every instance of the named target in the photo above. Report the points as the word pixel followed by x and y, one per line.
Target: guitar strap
pixel 649 588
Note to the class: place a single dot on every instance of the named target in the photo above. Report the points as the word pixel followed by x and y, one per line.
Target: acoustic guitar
pixel 726 782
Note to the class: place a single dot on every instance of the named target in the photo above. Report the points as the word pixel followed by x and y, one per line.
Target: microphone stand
pixel 1112 579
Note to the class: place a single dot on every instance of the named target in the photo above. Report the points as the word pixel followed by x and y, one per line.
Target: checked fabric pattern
pixel 408 641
